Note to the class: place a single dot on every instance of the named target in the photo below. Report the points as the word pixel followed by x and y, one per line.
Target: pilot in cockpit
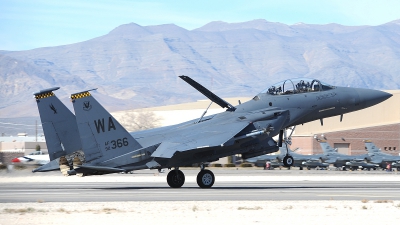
pixel 275 91
pixel 303 86
pixel 295 86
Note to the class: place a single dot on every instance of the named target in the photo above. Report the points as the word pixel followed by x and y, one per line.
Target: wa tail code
pixel 100 125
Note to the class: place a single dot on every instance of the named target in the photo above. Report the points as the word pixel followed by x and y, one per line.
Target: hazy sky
pixel 26 24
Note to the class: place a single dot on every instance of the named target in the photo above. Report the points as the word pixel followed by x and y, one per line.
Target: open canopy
pixel 296 86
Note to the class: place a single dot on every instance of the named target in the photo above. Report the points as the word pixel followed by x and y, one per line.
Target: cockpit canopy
pixel 296 86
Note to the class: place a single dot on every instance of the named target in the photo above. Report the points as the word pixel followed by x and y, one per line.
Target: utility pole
pixel 36 130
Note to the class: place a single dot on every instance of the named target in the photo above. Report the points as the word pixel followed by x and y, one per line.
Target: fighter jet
pixel 245 129
pixel 343 161
pixel 380 158
pixel 35 158
pixel 300 160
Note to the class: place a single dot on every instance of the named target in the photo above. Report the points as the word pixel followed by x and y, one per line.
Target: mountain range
pixel 137 66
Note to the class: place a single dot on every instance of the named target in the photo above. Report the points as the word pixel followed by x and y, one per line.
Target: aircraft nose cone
pixel 370 97
pixel 15 160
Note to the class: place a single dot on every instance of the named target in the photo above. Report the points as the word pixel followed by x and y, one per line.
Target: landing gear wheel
pixel 175 178
pixel 205 179
pixel 288 161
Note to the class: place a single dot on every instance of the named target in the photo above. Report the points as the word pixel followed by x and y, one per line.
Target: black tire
pixel 288 161
pixel 175 178
pixel 205 179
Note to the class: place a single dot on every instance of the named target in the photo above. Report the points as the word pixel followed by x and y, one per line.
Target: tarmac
pixel 239 195
pixel 241 184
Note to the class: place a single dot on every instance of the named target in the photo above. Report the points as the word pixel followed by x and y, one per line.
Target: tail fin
pixel 371 147
pixel 59 124
pixel 102 136
pixel 326 147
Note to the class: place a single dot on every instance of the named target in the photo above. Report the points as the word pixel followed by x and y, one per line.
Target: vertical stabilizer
pixel 102 136
pixel 59 124
pixel 326 147
pixel 371 147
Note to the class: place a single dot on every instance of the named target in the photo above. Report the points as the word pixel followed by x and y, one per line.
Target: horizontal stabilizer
pixel 103 169
pixel 52 165
pixel 219 101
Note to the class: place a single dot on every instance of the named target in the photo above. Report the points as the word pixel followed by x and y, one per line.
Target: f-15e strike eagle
pixel 245 129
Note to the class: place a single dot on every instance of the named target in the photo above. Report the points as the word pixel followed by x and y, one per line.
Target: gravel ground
pixel 221 212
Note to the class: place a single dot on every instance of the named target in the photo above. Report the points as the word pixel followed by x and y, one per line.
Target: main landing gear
pixel 175 178
pixel 205 178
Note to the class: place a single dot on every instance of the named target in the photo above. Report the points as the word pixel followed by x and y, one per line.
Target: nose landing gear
pixel 288 161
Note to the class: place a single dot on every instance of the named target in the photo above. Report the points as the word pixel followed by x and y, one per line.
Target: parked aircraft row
pixel 374 159
pixel 245 129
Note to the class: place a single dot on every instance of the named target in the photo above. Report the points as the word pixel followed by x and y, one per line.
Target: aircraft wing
pixel 331 160
pixel 312 160
pixel 262 158
pixel 376 161
pixel 201 135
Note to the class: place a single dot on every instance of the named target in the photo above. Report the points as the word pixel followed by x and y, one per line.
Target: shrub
pixel 246 165
pixel 19 167
pixel 216 165
pixel 229 165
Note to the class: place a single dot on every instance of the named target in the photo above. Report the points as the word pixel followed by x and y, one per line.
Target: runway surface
pixel 230 185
